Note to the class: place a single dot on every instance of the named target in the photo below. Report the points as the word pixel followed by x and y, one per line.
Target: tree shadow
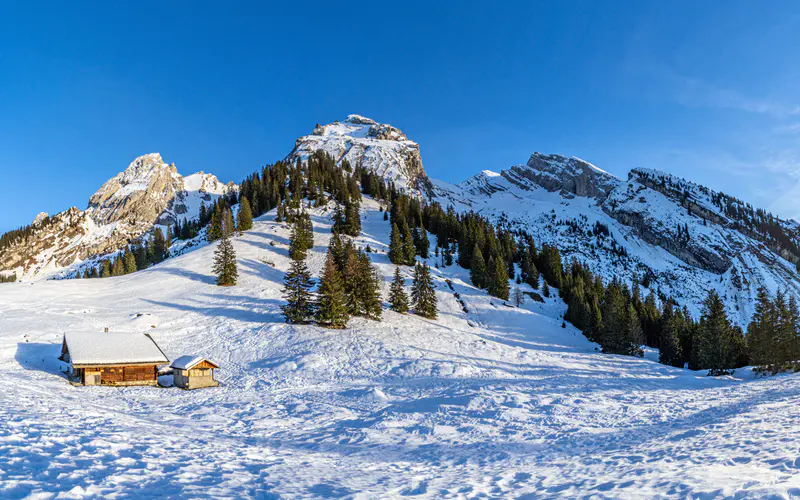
pixel 40 357
pixel 240 308
pixel 186 273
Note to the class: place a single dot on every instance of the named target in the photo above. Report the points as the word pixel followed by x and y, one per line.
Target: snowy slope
pixel 559 200
pixel 496 402
pixel 148 193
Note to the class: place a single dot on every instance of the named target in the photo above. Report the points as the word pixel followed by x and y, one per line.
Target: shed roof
pixel 188 362
pixel 113 349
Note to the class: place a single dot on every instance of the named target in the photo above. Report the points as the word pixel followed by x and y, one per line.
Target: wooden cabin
pixel 119 359
pixel 193 372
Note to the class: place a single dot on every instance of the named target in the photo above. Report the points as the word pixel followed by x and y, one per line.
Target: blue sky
pixel 705 90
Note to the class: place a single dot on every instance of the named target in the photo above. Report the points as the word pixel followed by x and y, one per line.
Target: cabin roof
pixel 91 348
pixel 188 362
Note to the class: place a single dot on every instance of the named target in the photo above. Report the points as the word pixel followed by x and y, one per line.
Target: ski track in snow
pixel 516 406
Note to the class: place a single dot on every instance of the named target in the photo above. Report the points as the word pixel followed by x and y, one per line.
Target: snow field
pixel 498 402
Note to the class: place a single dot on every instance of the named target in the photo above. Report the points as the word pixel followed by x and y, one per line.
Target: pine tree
pixel 369 290
pixel 715 343
pixel 477 268
pixel 670 351
pixel 214 231
pixel 545 289
pixel 225 262
pixel 352 218
pixel 352 282
pixel 760 329
pixel 245 215
pixel 396 255
pixel 129 261
pixel 297 286
pixel 398 299
pixel 497 279
pixel 228 226
pixel 633 333
pixel 423 294
pixel 105 269
pixel 332 302
pixel 117 268
pixel 409 252
pixel 159 248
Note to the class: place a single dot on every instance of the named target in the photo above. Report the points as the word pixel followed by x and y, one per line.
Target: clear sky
pixel 705 90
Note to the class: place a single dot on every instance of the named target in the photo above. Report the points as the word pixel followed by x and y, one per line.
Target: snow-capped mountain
pixel 652 228
pixel 374 146
pixel 149 192
pixel 674 237
pixel 678 238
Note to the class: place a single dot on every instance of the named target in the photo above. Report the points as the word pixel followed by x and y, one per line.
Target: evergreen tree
pixel 398 299
pixel 409 252
pixel 214 231
pixel 423 294
pixel 297 285
pixel 369 290
pixel 129 261
pixel 105 269
pixel 477 268
pixel 670 350
pixel 159 248
pixel 396 254
pixel 225 262
pixel 332 302
pixel 497 279
pixel 117 268
pixel 545 289
pixel 228 226
pixel 715 343
pixel 352 282
pixel 352 218
pixel 760 330
pixel 245 215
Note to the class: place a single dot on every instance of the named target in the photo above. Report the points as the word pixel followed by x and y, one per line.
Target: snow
pixel 498 402
pixel 188 362
pixel 92 348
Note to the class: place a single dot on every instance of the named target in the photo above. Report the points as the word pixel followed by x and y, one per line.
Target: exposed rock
pixel 568 175
pixel 149 192
pixel 365 143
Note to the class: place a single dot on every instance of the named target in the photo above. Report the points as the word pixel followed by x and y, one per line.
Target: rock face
pixel 140 194
pixel 652 227
pixel 149 192
pixel 365 143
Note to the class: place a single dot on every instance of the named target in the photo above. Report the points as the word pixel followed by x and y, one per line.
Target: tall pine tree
pixel 398 298
pixel 225 262
pixel 332 302
pixel 423 294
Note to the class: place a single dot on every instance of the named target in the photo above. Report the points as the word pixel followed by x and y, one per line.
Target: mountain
pixel 363 142
pixel 148 193
pixel 678 238
pixel 673 237
pixel 487 400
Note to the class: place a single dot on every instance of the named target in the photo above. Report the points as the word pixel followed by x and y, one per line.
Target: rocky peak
pixel 141 192
pixel 374 146
pixel 568 175
pixel 148 192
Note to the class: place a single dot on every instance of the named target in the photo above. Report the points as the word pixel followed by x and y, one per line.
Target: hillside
pixel 149 193
pixel 498 401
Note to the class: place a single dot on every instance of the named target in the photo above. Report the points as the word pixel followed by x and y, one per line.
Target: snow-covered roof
pixel 91 348
pixel 189 362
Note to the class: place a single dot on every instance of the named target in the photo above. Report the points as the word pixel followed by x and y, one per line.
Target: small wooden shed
pixel 112 358
pixel 193 372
